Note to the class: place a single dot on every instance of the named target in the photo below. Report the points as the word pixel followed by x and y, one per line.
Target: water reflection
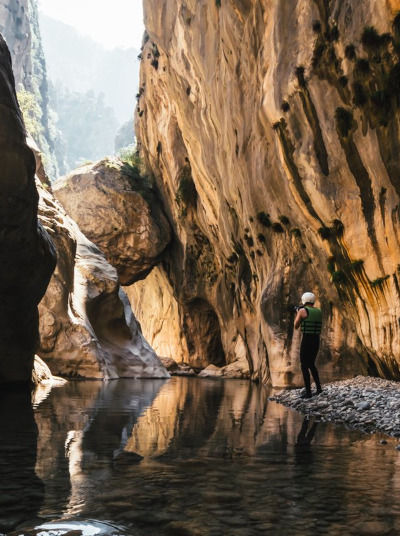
pixel 203 457
pixel 21 491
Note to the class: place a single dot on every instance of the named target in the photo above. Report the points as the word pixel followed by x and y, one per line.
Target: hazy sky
pixel 110 22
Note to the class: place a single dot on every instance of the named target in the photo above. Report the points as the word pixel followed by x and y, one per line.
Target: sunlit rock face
pixel 117 210
pixel 87 328
pixel 157 311
pixel 273 131
pixel 15 26
pixel 27 254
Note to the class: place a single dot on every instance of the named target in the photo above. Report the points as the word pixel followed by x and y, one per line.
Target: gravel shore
pixel 361 403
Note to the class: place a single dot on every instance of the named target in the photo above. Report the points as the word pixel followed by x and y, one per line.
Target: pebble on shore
pixel 361 403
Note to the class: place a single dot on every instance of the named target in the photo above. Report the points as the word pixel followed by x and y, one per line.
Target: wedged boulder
pixel 87 327
pixel 27 256
pixel 118 210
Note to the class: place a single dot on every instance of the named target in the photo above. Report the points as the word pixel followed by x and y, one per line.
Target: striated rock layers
pixel 27 255
pixel 272 129
pixel 87 327
pixel 117 209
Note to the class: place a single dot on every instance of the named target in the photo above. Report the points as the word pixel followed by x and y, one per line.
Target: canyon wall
pixel 28 257
pixel 272 129
pixel 19 24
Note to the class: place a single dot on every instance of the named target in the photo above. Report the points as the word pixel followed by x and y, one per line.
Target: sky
pixel 113 23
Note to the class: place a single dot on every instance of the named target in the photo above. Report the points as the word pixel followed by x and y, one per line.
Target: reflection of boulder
pixel 86 324
pixel 27 255
pixel 119 212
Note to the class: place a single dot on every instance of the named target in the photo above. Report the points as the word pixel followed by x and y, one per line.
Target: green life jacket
pixel 313 323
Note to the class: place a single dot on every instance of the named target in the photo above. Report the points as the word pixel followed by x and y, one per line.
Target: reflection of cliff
pixel 248 462
pixel 21 491
pixel 172 423
pixel 176 423
pixel 272 129
pixel 83 429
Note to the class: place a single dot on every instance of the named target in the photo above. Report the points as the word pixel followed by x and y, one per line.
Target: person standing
pixel 309 318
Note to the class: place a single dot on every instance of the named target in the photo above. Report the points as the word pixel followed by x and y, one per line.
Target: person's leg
pixel 314 347
pixel 304 352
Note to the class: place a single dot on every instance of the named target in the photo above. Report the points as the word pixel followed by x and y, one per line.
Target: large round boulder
pixel 118 210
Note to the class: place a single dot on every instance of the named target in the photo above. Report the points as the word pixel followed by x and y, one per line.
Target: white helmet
pixel 308 297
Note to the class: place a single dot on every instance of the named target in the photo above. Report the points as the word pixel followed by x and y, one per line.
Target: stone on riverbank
pixel 238 369
pixel 363 403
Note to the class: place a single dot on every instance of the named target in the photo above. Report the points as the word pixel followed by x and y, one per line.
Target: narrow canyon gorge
pixel 263 163
pixel 269 135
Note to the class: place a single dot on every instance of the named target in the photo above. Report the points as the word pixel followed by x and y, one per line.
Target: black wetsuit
pixel 309 350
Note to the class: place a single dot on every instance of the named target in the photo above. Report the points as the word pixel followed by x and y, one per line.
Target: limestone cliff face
pixel 27 253
pixel 273 131
pixel 19 24
pixel 15 26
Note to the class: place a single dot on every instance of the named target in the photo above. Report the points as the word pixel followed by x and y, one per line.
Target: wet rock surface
pixel 362 403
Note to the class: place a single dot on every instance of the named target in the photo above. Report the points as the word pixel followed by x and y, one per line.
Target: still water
pixel 187 457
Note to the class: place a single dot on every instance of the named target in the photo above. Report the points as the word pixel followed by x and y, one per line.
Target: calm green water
pixel 187 457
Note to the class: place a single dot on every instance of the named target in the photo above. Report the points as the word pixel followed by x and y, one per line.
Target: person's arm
pixel 301 314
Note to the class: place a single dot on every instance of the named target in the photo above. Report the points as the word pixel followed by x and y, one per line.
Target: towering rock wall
pixel 27 254
pixel 273 131
pixel 19 24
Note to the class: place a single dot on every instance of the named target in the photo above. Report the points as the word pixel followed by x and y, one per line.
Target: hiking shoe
pixel 306 395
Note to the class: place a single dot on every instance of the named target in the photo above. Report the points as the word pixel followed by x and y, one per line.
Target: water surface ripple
pixel 187 457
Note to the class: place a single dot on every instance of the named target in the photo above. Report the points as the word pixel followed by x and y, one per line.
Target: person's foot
pixel 319 390
pixel 306 395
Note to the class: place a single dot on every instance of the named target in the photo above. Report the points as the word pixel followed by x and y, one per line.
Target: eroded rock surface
pixel 272 129
pixel 86 323
pixel 118 211
pixel 27 254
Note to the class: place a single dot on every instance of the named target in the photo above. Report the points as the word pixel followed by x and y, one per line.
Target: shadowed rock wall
pixel 27 254
pixel 273 131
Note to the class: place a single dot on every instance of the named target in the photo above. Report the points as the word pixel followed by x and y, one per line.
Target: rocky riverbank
pixel 361 403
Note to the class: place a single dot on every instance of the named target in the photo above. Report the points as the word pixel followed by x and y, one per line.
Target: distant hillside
pixel 83 65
